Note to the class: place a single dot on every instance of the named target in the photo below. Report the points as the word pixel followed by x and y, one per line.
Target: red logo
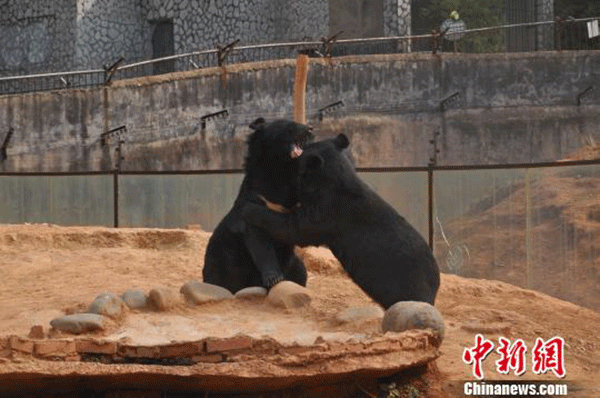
pixel 549 355
pixel 512 356
pixel 546 356
pixel 477 354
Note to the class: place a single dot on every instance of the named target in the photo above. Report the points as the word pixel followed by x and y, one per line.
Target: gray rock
pixel 163 299
pixel 107 304
pixel 135 299
pixel 407 315
pixel 250 293
pixel 288 295
pixel 79 323
pixel 359 314
pixel 198 292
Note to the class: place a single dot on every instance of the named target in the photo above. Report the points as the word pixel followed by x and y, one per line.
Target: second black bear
pixel 239 255
pixel 384 255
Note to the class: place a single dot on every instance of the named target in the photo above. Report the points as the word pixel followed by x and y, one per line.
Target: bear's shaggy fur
pixel 378 248
pixel 239 255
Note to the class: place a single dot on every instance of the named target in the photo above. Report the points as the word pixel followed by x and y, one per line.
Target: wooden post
pixel 300 88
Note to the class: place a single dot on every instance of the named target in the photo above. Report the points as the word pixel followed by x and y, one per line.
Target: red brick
pixel 383 345
pixel 298 349
pixel 147 352
pixel 138 351
pixel 96 347
pixel 58 348
pixel 20 344
pixel 228 344
pixel 4 353
pixel 350 347
pixel 267 346
pixel 181 349
pixel 211 358
pixel 37 332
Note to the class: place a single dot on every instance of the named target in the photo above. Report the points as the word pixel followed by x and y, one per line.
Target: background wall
pixel 510 108
pixel 47 35
pixel 36 34
pixel 88 34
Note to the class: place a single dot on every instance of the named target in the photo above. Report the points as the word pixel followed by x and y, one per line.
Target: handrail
pixel 52 74
pixel 238 49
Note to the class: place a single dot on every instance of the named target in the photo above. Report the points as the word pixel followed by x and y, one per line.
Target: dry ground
pixel 47 270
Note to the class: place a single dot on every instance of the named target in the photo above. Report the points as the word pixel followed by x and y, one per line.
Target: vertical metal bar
pixel 430 204
pixel 528 224
pixel 116 197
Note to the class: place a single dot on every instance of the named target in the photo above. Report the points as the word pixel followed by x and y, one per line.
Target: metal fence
pixel 565 34
pixel 533 225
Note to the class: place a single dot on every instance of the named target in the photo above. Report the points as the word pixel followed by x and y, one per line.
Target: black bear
pixel 378 248
pixel 239 255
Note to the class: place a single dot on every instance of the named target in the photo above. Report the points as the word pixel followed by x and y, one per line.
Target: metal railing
pixel 561 34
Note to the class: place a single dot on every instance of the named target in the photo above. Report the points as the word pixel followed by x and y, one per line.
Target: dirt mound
pixel 587 152
pixel 543 236
pixel 52 236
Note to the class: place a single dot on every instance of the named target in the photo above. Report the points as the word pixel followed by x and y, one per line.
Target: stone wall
pixel 511 108
pixel 36 35
pixel 204 24
pixel 107 30
pixel 397 19
pixel 545 34
pixel 89 34
pixel 46 35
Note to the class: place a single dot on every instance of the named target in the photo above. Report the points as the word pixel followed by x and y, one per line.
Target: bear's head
pixel 276 142
pixel 325 165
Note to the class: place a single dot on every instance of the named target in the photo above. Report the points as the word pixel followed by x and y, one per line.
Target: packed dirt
pixel 47 271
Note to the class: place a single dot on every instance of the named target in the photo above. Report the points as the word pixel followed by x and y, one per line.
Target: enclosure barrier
pixel 534 225
pixel 559 34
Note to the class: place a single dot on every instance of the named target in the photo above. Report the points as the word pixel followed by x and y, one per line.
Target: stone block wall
pixel 107 30
pixel 36 36
pixel 545 34
pixel 397 19
pixel 60 35
pixel 204 24
pixel 45 35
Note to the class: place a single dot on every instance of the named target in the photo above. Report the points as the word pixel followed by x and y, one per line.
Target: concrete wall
pixel 512 108
pixel 356 18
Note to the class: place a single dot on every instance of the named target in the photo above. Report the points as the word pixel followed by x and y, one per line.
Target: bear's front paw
pixel 273 280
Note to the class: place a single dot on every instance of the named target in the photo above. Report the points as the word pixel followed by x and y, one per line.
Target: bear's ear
pixel 313 162
pixel 341 141
pixel 255 125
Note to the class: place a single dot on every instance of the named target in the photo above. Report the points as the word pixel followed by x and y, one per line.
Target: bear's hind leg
pixel 295 271
pixel 261 247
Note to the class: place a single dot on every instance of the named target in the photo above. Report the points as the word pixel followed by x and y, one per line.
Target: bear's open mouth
pixel 299 144
pixel 296 151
